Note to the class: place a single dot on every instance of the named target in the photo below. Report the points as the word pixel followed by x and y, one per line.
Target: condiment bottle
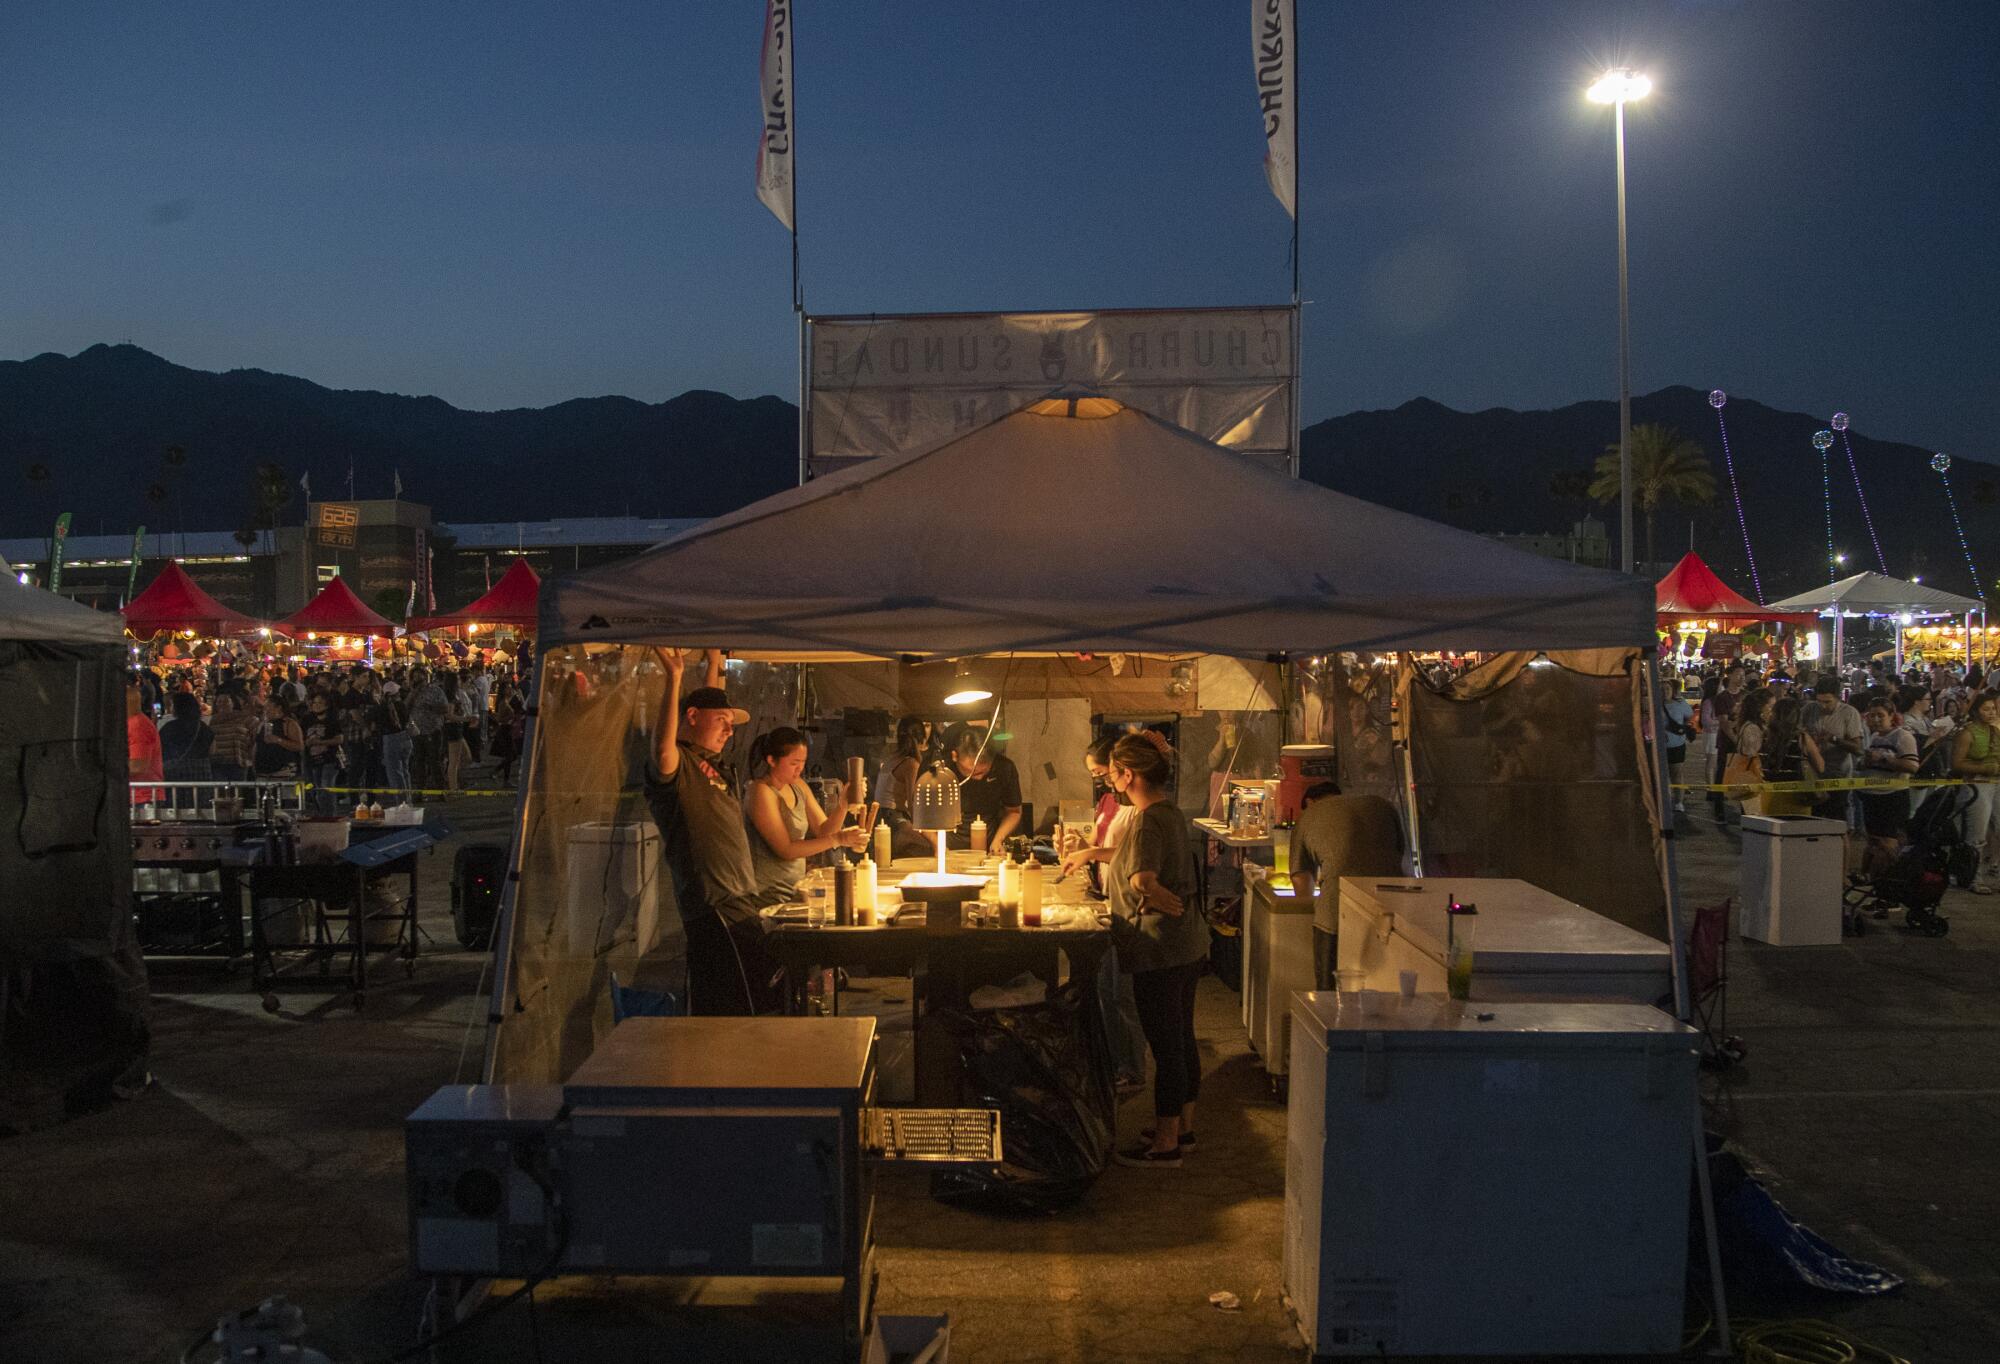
pixel 979 835
pixel 1031 894
pixel 883 848
pixel 375 810
pixel 1009 890
pixel 843 895
pixel 865 889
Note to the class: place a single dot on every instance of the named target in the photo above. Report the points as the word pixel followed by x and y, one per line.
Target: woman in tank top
pixel 786 822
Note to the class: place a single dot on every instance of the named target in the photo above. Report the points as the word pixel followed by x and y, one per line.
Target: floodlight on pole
pixel 1618 87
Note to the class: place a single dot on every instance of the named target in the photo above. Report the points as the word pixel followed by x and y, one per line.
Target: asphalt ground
pixel 267 1159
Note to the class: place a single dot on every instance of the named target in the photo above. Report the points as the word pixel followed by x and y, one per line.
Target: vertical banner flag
pixel 56 553
pixel 774 148
pixel 138 548
pixel 1273 36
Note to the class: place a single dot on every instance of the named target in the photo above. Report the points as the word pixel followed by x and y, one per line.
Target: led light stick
pixel 1840 424
pixel 1822 442
pixel 1942 463
pixel 1716 399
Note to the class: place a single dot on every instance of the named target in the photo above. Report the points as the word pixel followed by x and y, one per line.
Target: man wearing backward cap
pixel 692 791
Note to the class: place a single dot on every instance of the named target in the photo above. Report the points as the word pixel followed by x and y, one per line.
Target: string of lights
pixel 1942 463
pixel 1822 442
pixel 1847 443
pixel 1717 399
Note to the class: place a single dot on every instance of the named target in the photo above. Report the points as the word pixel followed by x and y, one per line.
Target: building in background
pixel 388 550
pixel 1587 543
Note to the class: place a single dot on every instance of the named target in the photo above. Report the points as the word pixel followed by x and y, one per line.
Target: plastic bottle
pixel 883 848
pixel 361 810
pixel 1008 893
pixel 866 887
pixel 979 835
pixel 1031 894
pixel 375 809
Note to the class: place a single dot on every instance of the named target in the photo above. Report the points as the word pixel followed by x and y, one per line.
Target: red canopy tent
pixel 337 611
pixel 173 601
pixel 512 601
pixel 1691 591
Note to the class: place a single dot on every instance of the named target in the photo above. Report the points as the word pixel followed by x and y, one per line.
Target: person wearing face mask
pixel 786 822
pixel 691 790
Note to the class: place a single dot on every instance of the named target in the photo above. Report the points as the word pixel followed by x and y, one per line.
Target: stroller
pixel 1936 855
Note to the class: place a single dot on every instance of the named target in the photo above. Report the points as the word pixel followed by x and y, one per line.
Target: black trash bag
pixel 1765 1250
pixel 1046 1067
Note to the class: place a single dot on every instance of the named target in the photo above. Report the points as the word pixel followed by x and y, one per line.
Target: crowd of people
pixel 359 730
pixel 1734 728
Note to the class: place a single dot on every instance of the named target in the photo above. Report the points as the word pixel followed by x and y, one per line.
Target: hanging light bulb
pixel 965 688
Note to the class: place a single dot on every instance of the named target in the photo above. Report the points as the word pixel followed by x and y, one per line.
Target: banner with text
pixel 887 385
pixel 774 147
pixel 1274 51
pixel 57 548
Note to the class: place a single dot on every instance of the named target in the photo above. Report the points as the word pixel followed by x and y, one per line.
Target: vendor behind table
pixel 989 787
pixel 786 822
pixel 691 790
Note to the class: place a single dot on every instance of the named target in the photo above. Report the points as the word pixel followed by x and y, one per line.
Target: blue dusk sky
pixel 510 204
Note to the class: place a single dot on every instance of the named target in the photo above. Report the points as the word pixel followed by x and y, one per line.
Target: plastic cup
pixel 1348 982
pixel 1406 981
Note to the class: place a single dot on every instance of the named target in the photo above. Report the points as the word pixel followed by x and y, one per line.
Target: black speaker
pixel 477 869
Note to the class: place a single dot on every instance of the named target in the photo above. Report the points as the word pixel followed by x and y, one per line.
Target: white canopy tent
pixel 1879 595
pixel 31 613
pixel 73 1001
pixel 1107 530
pixel 1072 525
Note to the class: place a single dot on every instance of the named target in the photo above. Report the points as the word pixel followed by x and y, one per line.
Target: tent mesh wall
pixel 1532 767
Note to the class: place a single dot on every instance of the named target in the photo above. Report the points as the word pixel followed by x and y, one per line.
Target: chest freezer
pixel 1528 944
pixel 1487 1178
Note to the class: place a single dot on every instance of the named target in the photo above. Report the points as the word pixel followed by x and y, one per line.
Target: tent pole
pixel 500 999
pixel 1677 945
pixel 1405 687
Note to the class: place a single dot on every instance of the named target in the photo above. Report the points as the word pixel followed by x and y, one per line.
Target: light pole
pixel 1616 88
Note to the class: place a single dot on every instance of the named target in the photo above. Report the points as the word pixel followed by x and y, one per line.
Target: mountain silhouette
pixel 1499 470
pixel 89 434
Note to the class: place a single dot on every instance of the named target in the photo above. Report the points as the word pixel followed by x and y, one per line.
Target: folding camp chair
pixel 1708 985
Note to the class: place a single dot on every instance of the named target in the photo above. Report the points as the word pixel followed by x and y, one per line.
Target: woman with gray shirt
pixel 1162 940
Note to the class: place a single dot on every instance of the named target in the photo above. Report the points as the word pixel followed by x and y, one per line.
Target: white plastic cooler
pixel 1791 879
pixel 1527 943
pixel 1479 1179
pixel 614 884
pixel 1277 963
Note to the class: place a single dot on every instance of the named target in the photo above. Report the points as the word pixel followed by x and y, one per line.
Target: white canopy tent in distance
pixel 1878 596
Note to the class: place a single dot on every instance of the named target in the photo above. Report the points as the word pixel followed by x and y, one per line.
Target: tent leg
pixel 510 889
pixel 1406 671
pixel 1677 945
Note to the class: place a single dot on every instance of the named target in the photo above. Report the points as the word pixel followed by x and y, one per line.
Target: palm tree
pixel 1666 467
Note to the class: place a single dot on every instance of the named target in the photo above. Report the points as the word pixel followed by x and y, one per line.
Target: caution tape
pixel 506 791
pixel 1828 784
